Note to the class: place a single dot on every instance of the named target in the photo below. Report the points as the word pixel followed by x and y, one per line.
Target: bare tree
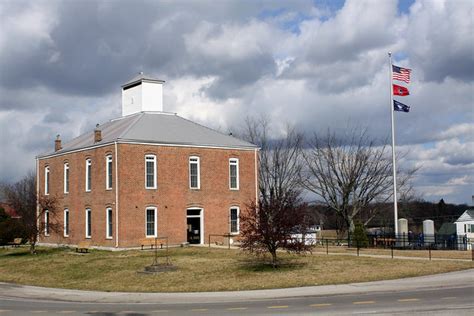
pixel 269 225
pixel 351 173
pixel 21 196
pixel 272 224
pixel 280 160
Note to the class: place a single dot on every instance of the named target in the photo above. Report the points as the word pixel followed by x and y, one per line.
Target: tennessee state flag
pixel 399 90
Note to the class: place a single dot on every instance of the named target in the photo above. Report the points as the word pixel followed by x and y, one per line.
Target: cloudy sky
pixel 314 64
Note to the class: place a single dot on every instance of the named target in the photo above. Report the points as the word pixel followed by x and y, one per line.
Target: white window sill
pixel 109 238
pixel 88 237
pixel 108 189
pixel 65 236
pixel 234 234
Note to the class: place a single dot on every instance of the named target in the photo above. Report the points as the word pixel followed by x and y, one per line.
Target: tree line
pixel 350 174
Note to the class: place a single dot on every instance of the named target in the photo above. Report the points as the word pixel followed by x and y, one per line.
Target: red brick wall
pixel 77 200
pixel 172 196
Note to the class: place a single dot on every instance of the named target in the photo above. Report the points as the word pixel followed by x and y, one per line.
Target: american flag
pixel 401 74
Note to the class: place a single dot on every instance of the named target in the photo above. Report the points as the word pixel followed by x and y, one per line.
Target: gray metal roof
pixel 141 77
pixel 154 127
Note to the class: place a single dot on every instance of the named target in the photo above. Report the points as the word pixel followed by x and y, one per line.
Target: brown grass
pixel 201 269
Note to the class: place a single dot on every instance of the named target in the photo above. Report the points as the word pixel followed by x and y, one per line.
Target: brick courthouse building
pixel 148 173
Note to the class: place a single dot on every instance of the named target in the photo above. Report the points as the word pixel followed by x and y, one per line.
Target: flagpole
pixel 394 168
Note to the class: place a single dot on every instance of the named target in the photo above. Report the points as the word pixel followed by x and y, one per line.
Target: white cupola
pixel 142 93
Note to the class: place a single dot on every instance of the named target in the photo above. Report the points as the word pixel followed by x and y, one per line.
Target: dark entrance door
pixel 194 226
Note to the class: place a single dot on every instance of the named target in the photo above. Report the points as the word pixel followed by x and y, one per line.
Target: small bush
pixel 359 236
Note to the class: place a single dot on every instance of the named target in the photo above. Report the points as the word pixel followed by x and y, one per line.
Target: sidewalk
pixel 446 280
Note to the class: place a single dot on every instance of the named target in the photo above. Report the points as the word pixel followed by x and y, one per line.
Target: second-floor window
pixel 194 178
pixel 46 180
pixel 108 172
pixel 150 171
pixel 88 175
pixel 234 173
pixel 66 177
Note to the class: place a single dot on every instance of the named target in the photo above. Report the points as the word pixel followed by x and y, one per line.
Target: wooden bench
pixel 83 246
pixel 16 242
pixel 147 242
pixel 151 242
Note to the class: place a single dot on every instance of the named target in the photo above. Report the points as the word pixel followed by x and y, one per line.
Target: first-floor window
pixel 109 228
pixel 469 228
pixel 88 223
pixel 151 222
pixel 234 220
pixel 46 223
pixel 66 223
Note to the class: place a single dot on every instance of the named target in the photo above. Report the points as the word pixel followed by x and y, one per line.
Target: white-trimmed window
pixel 46 223
pixel 108 172
pixel 88 175
pixel 234 213
pixel 66 222
pixel 151 222
pixel 88 223
pixel 46 180
pixel 109 223
pixel 66 178
pixel 150 172
pixel 194 173
pixel 469 228
pixel 234 173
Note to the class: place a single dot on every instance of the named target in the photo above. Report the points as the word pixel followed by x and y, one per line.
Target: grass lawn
pixel 200 269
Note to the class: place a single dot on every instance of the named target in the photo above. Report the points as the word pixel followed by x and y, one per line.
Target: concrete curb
pixel 447 280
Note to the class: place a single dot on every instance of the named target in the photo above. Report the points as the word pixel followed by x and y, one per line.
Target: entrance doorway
pixel 195 225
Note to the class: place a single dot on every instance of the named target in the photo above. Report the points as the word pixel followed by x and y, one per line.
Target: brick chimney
pixel 57 143
pixel 97 134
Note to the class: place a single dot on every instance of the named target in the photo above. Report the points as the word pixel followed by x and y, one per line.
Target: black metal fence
pixel 404 241
pixel 418 241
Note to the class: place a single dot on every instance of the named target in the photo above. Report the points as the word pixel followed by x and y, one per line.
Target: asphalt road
pixel 433 295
